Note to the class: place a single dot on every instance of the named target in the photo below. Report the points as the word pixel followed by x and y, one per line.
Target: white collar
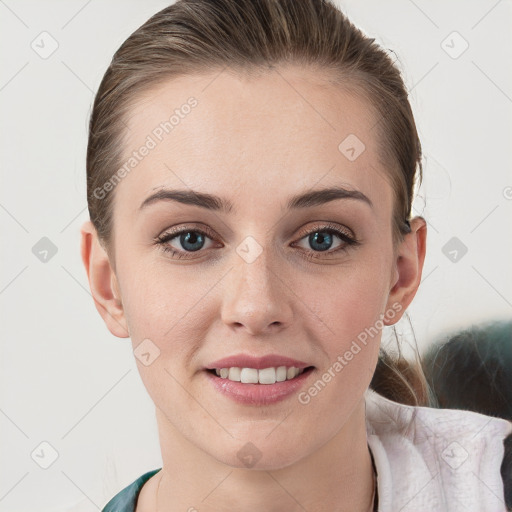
pixel 444 459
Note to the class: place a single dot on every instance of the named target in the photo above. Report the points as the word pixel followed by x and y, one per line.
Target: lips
pixel 258 395
pixel 258 363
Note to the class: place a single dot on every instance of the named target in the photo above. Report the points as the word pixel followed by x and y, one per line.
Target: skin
pixel 278 132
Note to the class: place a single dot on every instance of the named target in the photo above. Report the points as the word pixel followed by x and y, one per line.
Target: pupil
pixel 316 238
pixel 191 237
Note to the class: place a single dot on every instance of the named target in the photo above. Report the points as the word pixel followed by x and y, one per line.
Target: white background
pixel 64 378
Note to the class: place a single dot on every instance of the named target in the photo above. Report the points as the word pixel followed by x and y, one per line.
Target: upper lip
pixel 258 363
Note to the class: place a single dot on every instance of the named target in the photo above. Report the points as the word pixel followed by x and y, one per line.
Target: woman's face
pixel 256 283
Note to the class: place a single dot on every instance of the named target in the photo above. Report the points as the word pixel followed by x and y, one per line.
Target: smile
pixel 258 387
pixel 263 376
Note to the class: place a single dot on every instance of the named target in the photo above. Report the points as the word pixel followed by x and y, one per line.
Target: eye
pixel 321 238
pixel 191 240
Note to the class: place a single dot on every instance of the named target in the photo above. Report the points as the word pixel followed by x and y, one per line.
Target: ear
pixel 408 268
pixel 102 281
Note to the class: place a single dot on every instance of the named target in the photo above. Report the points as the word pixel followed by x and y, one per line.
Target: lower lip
pixel 258 394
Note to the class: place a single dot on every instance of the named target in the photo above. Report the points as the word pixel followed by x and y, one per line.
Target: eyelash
pixel 349 241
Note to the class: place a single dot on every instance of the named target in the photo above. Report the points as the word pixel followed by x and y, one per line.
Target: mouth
pixel 265 376
pixel 259 387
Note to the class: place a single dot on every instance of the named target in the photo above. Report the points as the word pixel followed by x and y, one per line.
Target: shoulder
pixel 437 457
pixel 126 500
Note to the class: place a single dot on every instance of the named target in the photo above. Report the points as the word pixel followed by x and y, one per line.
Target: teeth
pixel 234 374
pixel 281 373
pixel 263 376
pixel 290 373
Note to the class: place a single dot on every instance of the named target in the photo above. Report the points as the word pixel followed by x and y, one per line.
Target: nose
pixel 256 296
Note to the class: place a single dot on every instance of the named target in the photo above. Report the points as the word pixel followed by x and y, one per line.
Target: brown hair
pixel 194 36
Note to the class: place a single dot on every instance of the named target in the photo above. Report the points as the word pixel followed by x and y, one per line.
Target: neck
pixel 338 476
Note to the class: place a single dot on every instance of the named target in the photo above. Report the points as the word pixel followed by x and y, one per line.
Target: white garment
pixel 447 460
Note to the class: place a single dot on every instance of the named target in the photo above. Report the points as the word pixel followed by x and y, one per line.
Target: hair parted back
pixel 198 36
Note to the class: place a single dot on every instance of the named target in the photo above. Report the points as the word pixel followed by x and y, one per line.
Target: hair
pixel 470 369
pixel 200 36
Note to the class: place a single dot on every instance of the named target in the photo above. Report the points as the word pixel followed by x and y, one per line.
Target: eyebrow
pixel 216 203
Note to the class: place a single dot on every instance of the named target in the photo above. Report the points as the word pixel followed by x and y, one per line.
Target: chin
pixel 264 455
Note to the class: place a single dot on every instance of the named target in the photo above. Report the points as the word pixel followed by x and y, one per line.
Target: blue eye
pixel 321 239
pixel 193 240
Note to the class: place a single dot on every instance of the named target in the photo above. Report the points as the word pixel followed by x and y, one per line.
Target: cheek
pixel 350 342
pixel 174 312
pixel 166 321
pixel 351 317
pixel 156 297
pixel 352 296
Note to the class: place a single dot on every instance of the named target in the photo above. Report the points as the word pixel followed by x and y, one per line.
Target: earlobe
pixel 102 281
pixel 408 268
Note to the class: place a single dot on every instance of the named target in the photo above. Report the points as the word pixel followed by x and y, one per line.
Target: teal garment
pixel 126 500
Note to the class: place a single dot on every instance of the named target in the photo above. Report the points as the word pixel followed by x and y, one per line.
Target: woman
pixel 250 172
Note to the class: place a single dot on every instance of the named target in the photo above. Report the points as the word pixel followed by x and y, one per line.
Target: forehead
pixel 285 129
